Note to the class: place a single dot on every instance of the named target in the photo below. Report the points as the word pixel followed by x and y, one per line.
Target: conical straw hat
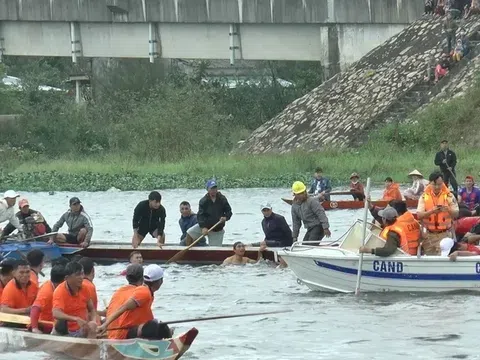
pixel 416 172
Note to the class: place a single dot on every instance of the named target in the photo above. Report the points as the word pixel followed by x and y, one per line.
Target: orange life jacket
pixel 441 221
pixel 392 193
pixel 411 228
pixel 403 237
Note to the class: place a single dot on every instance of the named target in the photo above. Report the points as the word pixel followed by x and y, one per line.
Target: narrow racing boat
pixel 94 349
pixel 334 269
pixel 352 204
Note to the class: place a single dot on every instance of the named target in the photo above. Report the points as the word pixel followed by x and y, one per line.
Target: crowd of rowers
pixel 66 305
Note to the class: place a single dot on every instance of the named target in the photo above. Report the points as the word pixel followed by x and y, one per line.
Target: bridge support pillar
pixel 234 36
pixel 75 41
pixel 152 42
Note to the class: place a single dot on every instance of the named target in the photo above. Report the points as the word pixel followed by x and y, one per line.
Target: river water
pixel 321 326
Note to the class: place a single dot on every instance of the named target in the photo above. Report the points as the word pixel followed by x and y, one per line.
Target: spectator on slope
pixel 465 42
pixel 442 67
pixel 473 9
pixel 440 8
pixel 458 52
pixel 450 27
pixel 429 7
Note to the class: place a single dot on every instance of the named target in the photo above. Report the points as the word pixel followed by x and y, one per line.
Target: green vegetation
pixel 176 132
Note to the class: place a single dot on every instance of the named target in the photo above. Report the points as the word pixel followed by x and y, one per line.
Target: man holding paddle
pixel 212 208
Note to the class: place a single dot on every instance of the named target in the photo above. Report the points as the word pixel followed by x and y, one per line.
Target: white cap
pixel 152 273
pixel 266 205
pixel 446 245
pixel 10 194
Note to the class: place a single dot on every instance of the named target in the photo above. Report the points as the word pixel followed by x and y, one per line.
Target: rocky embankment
pixel 340 112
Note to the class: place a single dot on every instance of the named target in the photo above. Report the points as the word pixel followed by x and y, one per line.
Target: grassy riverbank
pixel 96 174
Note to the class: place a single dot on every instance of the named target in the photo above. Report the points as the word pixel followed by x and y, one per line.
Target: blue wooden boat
pixel 18 249
pixel 94 349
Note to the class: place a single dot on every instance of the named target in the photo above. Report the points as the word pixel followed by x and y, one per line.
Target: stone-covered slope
pixel 341 111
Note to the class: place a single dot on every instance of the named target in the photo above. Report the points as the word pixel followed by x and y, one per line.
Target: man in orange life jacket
pixel 437 208
pixel 399 232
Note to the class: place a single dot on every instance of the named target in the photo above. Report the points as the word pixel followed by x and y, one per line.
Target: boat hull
pixel 93 349
pixel 351 204
pixel 108 252
pixel 335 270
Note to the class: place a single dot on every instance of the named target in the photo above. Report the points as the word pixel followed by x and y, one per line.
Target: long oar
pixel 213 318
pixel 365 215
pixel 180 253
pixel 20 319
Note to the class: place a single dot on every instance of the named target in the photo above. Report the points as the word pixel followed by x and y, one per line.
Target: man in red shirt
pixel 463 249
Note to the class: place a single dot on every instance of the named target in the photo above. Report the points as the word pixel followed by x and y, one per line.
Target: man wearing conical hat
pixel 309 211
pixel 418 186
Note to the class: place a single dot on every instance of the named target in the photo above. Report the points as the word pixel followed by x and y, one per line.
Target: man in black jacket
pixel 275 227
pixel 447 160
pixel 212 208
pixel 149 218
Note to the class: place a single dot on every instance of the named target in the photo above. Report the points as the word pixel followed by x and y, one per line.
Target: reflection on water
pixel 322 326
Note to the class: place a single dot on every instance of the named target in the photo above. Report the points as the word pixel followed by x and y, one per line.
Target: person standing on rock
pixel 446 159
pixel 309 211
pixel 320 186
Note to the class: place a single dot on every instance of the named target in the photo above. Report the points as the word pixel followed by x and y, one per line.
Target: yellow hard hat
pixel 298 187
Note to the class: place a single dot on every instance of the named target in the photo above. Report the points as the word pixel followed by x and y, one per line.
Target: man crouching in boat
pixel 395 234
pixel 131 306
pixel 72 304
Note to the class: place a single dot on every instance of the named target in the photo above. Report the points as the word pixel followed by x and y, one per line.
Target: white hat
pixel 266 205
pixel 415 172
pixel 446 245
pixel 10 194
pixel 152 273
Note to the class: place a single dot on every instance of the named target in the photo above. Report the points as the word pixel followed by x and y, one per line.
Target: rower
pixel 186 221
pixel 309 211
pixel 88 276
pixel 42 307
pixel 392 191
pixel 469 198
pixel 394 235
pixel 418 186
pixel 212 208
pixel 72 305
pixel 33 222
pixel 35 259
pixel 275 228
pixel 7 211
pixel 436 209
pixel 356 187
pixel 6 273
pixel 149 218
pixel 80 228
pixel 239 257
pixel 19 294
pixel 131 306
pixel 320 186
pixel 134 258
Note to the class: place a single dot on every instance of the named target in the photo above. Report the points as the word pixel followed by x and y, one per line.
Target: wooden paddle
pixel 180 253
pixel 212 318
pixel 20 319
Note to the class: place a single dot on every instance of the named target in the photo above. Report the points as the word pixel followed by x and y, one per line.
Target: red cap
pixel 22 203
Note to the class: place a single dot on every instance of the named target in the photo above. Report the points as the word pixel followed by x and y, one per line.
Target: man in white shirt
pixel 7 210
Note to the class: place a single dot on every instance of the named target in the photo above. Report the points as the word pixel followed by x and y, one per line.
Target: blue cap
pixel 211 183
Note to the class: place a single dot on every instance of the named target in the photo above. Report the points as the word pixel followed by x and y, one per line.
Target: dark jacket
pixel 9 228
pixel 451 160
pixel 276 230
pixel 146 218
pixel 186 222
pixel 209 212
pixel 391 245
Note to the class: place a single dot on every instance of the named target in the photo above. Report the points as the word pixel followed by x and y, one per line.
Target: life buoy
pixel 333 204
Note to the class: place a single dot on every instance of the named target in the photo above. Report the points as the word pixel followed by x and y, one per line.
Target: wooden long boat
pixel 353 204
pixel 95 349
pixel 110 252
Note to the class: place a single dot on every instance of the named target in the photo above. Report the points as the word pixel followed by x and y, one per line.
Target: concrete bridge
pixel 335 32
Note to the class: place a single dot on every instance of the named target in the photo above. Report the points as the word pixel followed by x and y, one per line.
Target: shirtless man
pixel 239 258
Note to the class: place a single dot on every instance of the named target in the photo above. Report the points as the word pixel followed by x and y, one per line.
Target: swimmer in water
pixel 239 258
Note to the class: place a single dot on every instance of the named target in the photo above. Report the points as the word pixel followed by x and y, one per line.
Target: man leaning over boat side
pixel 149 218
pixel 395 236
pixel 239 257
pixel 80 228
pixel 212 208
pixel 131 306
pixel 72 305
pixel 309 211
pixel 7 211
pixel 34 224
pixel 20 293
pixel 436 209
pixel 134 258
pixel 42 307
